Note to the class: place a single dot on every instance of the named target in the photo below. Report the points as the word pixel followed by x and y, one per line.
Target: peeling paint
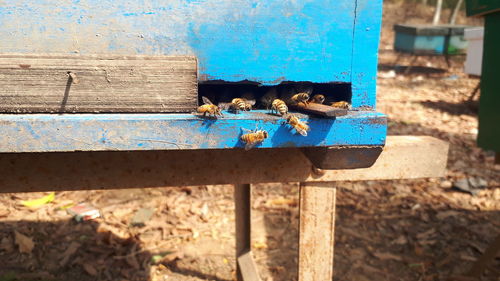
pixel 84 132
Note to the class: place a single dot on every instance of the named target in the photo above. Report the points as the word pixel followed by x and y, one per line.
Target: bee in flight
pixel 279 107
pixel 341 104
pixel 209 108
pixel 242 104
pixel 318 99
pixel 252 138
pixel 300 98
pixel 300 126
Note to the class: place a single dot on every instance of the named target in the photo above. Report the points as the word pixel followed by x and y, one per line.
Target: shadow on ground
pixel 77 251
pixel 465 107
pixel 414 69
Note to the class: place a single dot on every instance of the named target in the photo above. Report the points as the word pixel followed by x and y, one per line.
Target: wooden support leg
pixel 447 58
pixel 246 269
pixel 316 231
pixel 474 92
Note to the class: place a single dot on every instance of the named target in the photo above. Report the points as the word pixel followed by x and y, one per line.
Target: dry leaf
pixel 72 248
pixel 260 245
pixel 4 212
pixel 387 256
pixel 401 240
pixel 90 269
pixel 445 214
pixel 283 201
pixel 168 258
pixel 24 242
pixel 132 261
pixel 426 235
pixel 6 245
pixel 37 203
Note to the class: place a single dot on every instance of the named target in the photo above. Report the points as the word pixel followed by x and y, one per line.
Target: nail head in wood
pixel 73 77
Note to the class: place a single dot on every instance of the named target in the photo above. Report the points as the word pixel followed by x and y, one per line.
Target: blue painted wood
pixel 365 52
pixel 97 132
pixel 264 41
pixel 234 40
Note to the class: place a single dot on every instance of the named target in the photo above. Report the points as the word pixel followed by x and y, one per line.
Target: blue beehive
pixel 422 39
pixel 323 42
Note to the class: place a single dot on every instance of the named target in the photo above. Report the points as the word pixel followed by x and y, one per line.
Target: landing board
pixel 100 132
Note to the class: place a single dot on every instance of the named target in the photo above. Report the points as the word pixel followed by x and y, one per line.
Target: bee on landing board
pixel 279 107
pixel 238 104
pixel 318 99
pixel 341 104
pixel 209 108
pixel 252 138
pixel 300 98
pixel 300 126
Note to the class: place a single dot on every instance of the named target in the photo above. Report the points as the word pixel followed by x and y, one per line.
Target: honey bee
pixel 238 104
pixel 208 108
pixel 318 99
pixel 252 138
pixel 300 98
pixel 279 107
pixel 341 104
pixel 299 126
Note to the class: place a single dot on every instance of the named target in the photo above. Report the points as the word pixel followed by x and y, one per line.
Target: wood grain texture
pixel 97 83
pixel 320 109
pixel 95 132
pixel 242 213
pixel 248 268
pixel 316 231
pixel 403 157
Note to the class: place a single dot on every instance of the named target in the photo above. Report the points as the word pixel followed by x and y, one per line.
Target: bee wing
pixel 224 105
pixel 246 130
pixel 250 145
pixel 302 132
pixel 206 100
pixel 251 102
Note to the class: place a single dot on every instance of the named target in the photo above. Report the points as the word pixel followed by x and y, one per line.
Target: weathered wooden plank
pixel 403 157
pixel 97 132
pixel 242 212
pixel 248 268
pixel 316 231
pixel 97 83
pixel 320 109
pixel 332 157
pixel 365 52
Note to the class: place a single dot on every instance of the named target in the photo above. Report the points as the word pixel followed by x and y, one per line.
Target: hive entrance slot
pixel 220 92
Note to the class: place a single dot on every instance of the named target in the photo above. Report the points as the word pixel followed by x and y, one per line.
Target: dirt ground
pixel 385 230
